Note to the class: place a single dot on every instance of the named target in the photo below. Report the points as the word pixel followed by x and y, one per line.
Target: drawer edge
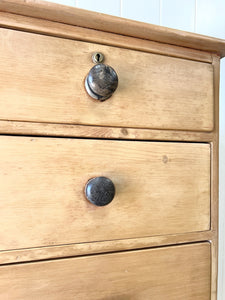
pixel 79 249
pixel 88 131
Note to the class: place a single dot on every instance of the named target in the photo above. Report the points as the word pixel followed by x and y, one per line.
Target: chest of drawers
pixel 113 199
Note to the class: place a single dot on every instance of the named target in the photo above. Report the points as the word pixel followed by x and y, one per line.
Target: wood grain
pixel 42 80
pixel 169 91
pixel 79 17
pixel 50 28
pixel 79 249
pixel 66 130
pixel 161 188
pixel 181 272
pixel 215 180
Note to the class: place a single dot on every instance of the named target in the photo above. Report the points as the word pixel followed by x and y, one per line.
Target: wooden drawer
pixel 42 80
pixel 161 188
pixel 171 273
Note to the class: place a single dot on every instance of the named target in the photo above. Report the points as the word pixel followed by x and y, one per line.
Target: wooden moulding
pixel 18 22
pixel 79 17
pixel 83 131
pixel 71 250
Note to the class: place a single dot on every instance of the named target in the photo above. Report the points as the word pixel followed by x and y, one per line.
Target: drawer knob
pixel 100 191
pixel 101 82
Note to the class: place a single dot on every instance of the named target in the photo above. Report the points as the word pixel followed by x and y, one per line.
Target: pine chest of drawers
pixel 109 157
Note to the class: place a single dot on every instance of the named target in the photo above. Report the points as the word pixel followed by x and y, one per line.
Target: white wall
pixel 201 16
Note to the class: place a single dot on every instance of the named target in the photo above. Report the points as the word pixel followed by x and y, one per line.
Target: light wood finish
pixel 161 188
pixel 37 174
pixel 181 272
pixel 34 25
pixel 65 130
pixel 79 249
pixel 79 17
pixel 43 81
pixel 215 181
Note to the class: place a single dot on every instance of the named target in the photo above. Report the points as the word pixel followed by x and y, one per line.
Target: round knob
pixel 100 191
pixel 101 82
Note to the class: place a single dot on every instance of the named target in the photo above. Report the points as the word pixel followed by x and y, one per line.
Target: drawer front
pixel 42 80
pixel 172 273
pixel 161 188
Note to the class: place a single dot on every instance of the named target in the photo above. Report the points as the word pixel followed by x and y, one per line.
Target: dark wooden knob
pixel 100 191
pixel 101 82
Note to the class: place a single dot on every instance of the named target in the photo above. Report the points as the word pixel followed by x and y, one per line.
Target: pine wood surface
pixel 101 22
pixel 181 272
pixel 161 188
pixel 50 28
pixel 134 37
pixel 104 132
pixel 215 181
pixel 79 249
pixel 44 82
